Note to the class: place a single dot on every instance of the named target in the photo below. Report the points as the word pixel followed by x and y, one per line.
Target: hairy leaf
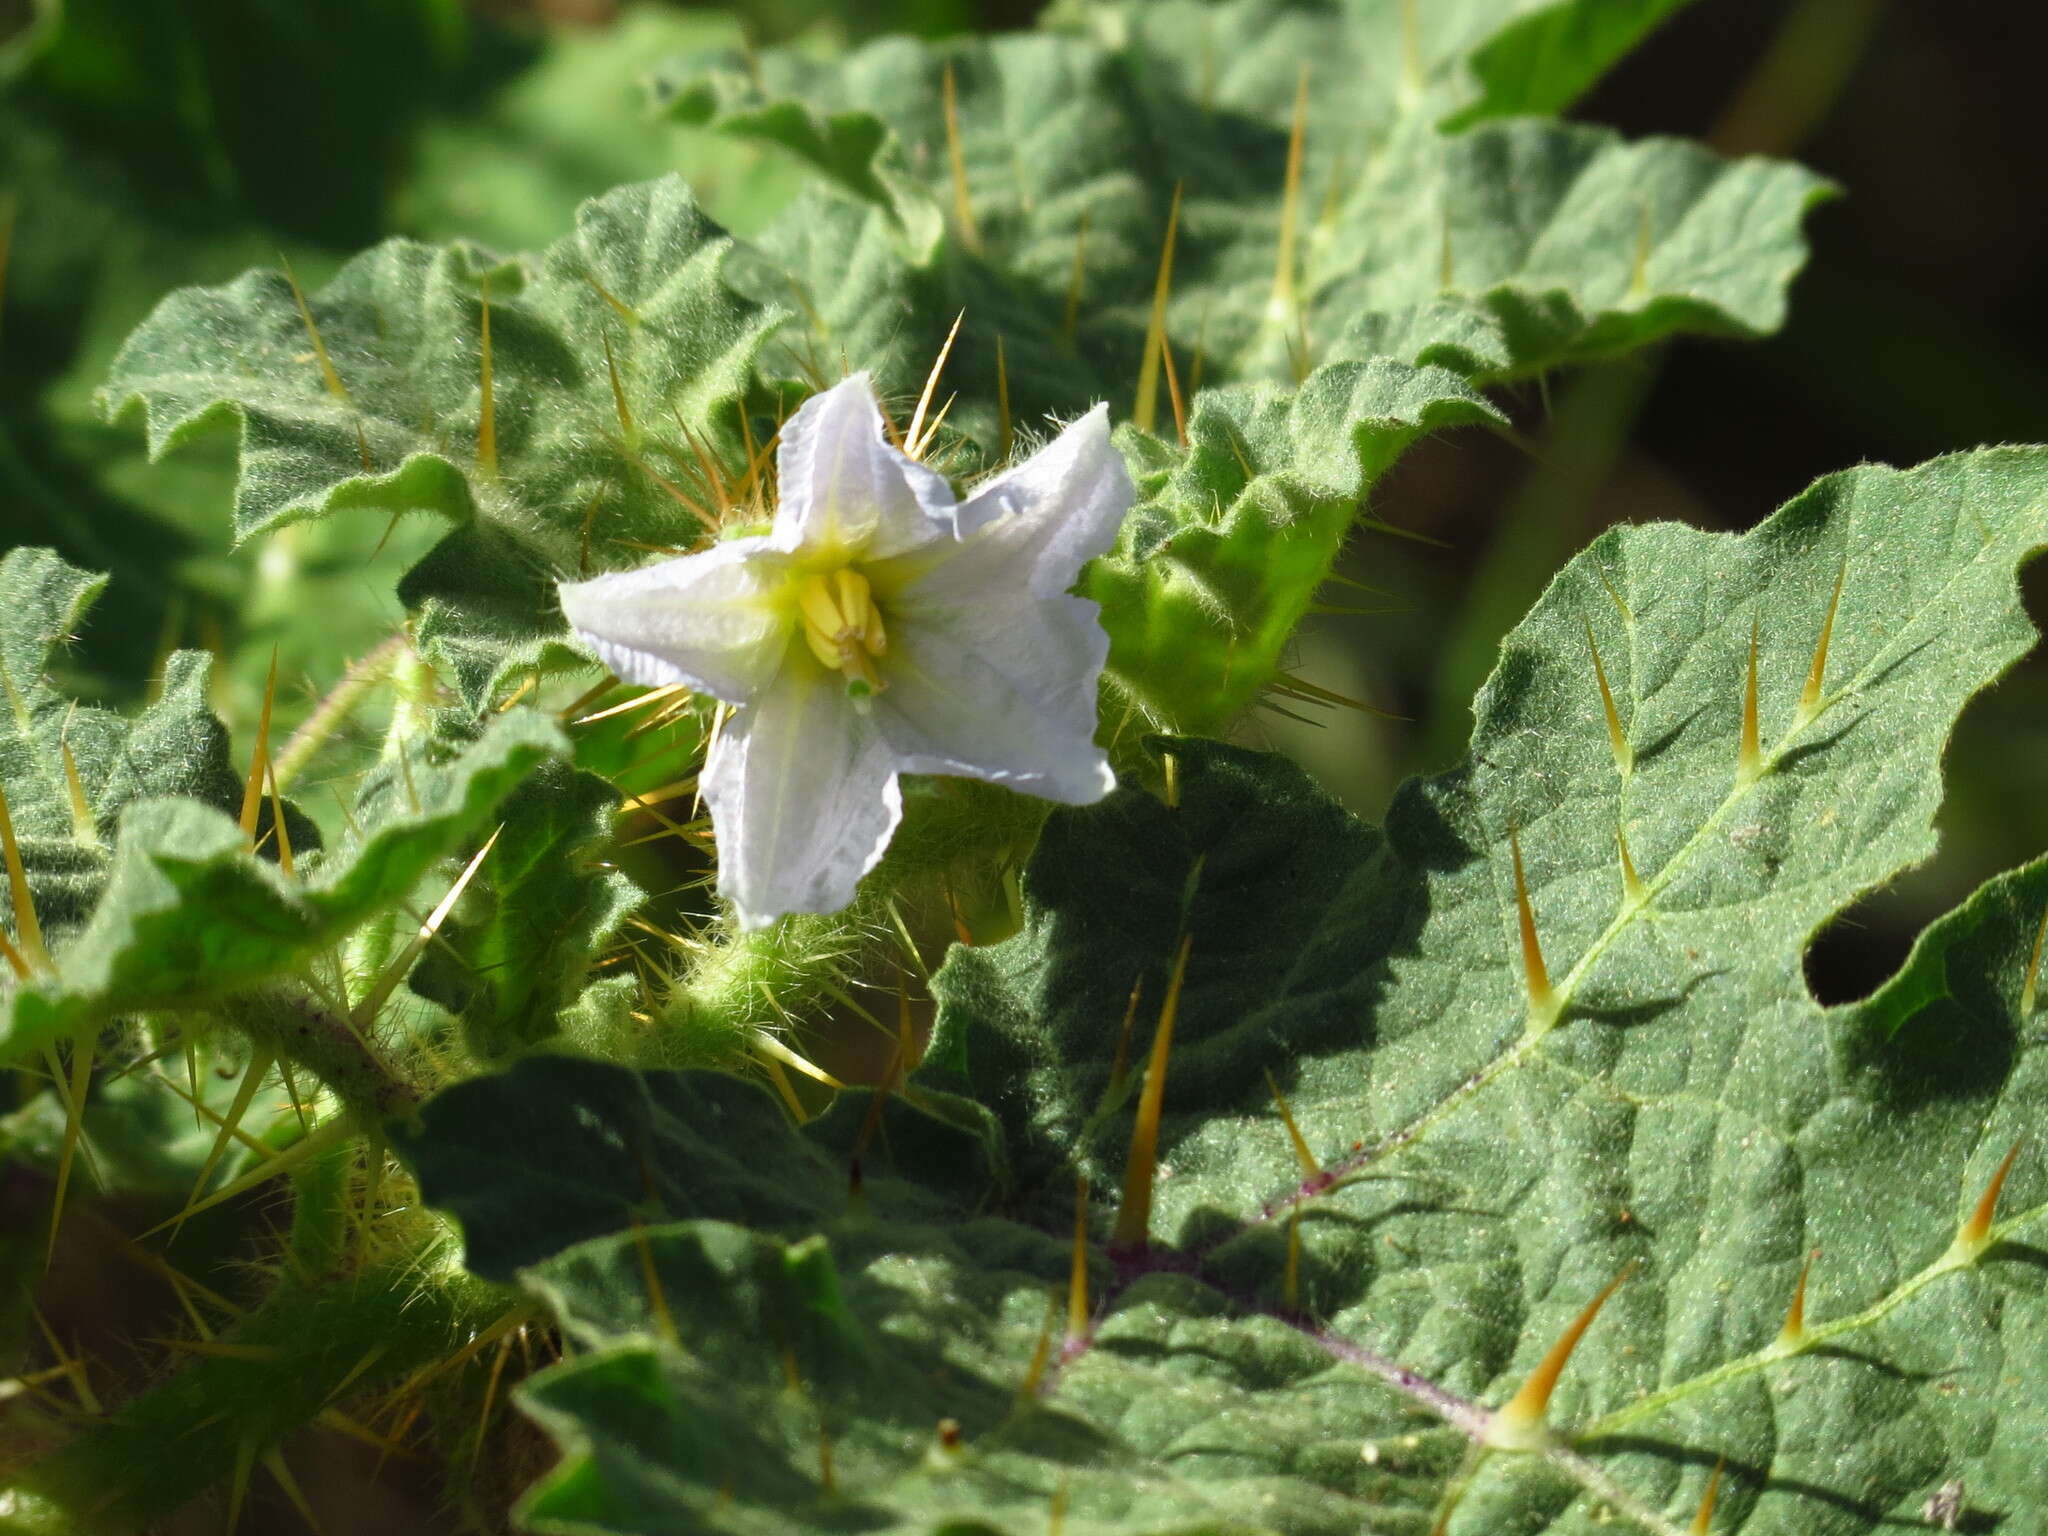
pixel 68 772
pixel 1511 248
pixel 1233 536
pixel 189 915
pixel 1038 209
pixel 516 952
pixel 1487 1153
pixel 394 418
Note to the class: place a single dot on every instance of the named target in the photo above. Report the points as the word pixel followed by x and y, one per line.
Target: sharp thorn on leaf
pixel 1975 1235
pixel 1077 1278
pixel 1703 1522
pixel 956 155
pixel 1816 679
pixel 1749 754
pixel 1311 1170
pixel 1145 409
pixel 1134 1217
pixel 1535 974
pixel 1792 1336
pixel 1633 891
pixel 1518 1425
pixel 1617 738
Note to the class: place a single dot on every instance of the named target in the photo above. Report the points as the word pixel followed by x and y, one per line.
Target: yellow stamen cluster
pixel 843 627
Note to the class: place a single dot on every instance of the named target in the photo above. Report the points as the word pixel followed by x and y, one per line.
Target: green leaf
pixel 173 747
pixel 607 1146
pixel 190 916
pixel 1463 60
pixel 1233 536
pixel 1556 242
pixel 1545 58
pixel 516 952
pixel 1487 1161
pixel 399 425
pixel 1476 258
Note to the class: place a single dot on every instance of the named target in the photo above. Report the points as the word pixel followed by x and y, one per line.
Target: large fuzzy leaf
pixel 1487 1162
pixel 393 419
pixel 1512 248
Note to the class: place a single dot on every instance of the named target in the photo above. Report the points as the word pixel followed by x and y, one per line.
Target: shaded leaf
pixel 517 950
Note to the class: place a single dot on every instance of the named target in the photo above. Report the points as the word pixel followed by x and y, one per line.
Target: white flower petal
pixel 1039 523
pixel 1002 689
pixel 711 620
pixel 803 797
pixel 708 620
pixel 844 486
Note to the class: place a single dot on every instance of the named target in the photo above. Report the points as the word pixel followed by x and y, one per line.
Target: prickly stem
pixel 252 1079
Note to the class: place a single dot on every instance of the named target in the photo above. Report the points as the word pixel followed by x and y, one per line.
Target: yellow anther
pixel 843 627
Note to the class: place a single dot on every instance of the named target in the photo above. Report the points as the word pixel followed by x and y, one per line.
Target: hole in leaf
pixel 1993 817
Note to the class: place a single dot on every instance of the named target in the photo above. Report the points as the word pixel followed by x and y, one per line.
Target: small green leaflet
pixel 1233 535
pixel 49 743
pixel 1484 1165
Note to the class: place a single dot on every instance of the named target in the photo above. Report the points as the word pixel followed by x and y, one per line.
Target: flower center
pixel 843 628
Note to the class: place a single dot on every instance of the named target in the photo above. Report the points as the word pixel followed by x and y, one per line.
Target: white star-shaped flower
pixel 882 627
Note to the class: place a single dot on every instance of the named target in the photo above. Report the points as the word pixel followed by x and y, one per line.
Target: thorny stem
pixel 301 1031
